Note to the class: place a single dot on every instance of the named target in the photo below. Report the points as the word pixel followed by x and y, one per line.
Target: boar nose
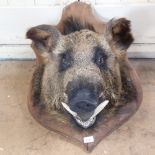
pixel 83 101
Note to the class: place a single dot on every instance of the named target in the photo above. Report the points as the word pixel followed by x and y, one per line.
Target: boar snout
pixel 83 97
pixel 83 101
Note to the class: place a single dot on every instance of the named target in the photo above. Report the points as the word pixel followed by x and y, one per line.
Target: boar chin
pixel 85 124
pixel 91 120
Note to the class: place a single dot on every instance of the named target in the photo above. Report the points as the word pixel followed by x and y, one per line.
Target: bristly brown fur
pixel 50 90
pixel 36 85
pixel 72 25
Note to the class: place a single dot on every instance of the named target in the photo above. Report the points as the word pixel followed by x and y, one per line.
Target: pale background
pixel 16 16
pixel 20 134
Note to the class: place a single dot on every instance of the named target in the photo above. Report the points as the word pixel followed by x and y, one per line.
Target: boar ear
pixel 45 38
pixel 119 33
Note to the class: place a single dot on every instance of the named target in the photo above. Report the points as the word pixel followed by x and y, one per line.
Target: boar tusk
pixel 99 108
pixel 68 109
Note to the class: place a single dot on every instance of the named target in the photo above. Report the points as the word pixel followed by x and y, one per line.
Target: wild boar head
pixel 82 69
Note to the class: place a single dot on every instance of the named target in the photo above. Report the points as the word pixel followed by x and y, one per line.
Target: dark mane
pixel 72 25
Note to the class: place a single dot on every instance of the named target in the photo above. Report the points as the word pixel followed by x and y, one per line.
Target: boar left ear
pixel 45 38
pixel 119 33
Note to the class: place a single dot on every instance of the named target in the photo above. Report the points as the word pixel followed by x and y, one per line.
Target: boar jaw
pixel 92 119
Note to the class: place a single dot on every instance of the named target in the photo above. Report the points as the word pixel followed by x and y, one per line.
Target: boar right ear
pixel 119 33
pixel 45 38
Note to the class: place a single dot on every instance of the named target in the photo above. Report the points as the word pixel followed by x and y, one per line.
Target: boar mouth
pixel 91 120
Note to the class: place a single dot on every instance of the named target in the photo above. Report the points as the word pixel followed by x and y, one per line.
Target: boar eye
pixel 100 58
pixel 66 61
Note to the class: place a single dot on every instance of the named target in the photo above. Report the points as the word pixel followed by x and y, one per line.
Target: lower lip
pixel 85 124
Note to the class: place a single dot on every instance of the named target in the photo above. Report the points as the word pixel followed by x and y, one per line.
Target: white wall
pixel 58 2
pixel 16 16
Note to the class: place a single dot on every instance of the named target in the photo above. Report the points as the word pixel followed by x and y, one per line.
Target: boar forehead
pixel 81 44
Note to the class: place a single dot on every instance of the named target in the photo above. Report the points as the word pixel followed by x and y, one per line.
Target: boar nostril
pixel 88 105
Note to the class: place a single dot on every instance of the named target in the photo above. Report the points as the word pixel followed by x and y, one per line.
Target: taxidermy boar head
pixel 80 70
